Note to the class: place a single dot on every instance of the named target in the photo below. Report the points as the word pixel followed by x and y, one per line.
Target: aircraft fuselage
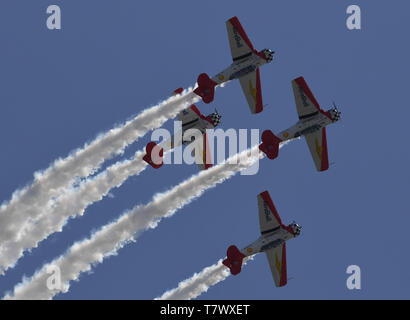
pixel 305 126
pixel 267 241
pixel 240 68
pixel 180 138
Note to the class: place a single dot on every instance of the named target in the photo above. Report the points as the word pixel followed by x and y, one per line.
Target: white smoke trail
pixel 199 283
pixel 69 205
pixel 83 255
pixel 28 204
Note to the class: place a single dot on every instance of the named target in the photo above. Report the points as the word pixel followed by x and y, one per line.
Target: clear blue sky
pixel 112 59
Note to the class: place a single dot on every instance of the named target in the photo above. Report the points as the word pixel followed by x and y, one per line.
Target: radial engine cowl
pixel 335 114
pixel 268 54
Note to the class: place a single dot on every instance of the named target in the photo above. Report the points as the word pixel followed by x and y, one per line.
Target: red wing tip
pixel 234 18
pixel 302 83
pixel 324 169
pixel 264 193
pixel 325 156
pixel 299 79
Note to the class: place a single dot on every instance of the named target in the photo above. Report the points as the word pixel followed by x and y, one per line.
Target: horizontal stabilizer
pixel 206 88
pixel 270 144
pixel 234 259
pixel 154 155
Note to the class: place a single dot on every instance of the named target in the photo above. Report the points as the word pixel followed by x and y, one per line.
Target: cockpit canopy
pixel 215 117
pixel 295 228
pixel 334 114
pixel 268 54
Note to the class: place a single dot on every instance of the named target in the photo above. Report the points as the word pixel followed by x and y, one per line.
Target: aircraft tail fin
pixel 234 260
pixel 270 144
pixel 154 155
pixel 206 88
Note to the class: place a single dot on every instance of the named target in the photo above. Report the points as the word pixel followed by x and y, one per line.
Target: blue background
pixel 112 59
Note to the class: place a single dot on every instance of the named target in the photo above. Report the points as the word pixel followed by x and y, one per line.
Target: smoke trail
pixel 27 205
pixel 69 205
pixel 199 282
pixel 109 239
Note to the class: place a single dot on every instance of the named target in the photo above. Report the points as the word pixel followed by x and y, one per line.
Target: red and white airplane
pixel 312 125
pixel 245 67
pixel 191 118
pixel 272 241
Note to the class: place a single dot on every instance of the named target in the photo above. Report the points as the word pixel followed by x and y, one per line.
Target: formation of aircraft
pixel 245 67
pixel 312 125
pixel 274 235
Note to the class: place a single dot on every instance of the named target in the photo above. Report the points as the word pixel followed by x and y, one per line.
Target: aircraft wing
pixel 189 115
pixel 306 103
pixel 202 151
pixel 277 262
pixel 251 86
pixel 317 144
pixel 204 154
pixel 191 118
pixel 269 219
pixel 241 46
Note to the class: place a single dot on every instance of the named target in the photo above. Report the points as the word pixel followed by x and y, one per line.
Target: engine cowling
pixel 334 114
pixel 268 54
pixel 215 118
